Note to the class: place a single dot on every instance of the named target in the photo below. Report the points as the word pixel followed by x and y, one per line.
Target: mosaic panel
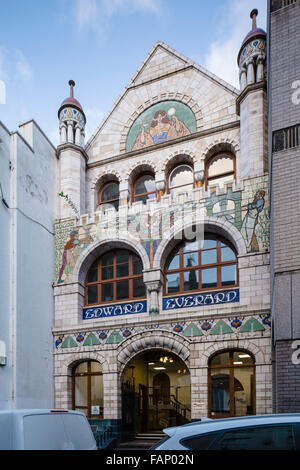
pixel 196 329
pixel 160 123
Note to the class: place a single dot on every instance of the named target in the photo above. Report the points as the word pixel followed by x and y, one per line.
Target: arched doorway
pixel 156 392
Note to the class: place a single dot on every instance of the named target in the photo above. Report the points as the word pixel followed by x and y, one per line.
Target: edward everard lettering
pixel 128 308
pixel 195 300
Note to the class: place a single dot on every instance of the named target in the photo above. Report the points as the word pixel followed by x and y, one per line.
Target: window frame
pixel 134 195
pixel 232 367
pixel 100 202
pixel 169 188
pixel 220 175
pixel 114 280
pixel 218 265
pixel 89 374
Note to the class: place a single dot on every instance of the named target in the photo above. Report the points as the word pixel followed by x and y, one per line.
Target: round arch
pixel 240 345
pixel 68 365
pixel 214 225
pixel 99 247
pixel 219 146
pixel 152 340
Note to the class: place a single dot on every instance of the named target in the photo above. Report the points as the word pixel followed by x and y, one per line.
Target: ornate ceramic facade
pixel 172 114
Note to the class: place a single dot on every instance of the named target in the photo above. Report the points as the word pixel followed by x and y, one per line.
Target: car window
pixel 79 432
pixel 259 438
pixel 44 432
pixel 201 442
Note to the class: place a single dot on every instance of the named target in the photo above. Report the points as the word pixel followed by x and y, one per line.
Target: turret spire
pixel 253 16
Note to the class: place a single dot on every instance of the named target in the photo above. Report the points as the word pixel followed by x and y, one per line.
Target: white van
pixel 45 430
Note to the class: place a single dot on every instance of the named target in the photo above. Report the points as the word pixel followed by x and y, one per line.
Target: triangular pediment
pixel 164 75
pixel 160 61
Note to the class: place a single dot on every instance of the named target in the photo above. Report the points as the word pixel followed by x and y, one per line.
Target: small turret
pixel 252 102
pixel 253 54
pixel 72 157
pixel 72 120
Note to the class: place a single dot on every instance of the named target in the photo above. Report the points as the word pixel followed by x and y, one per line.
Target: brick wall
pixel 288 379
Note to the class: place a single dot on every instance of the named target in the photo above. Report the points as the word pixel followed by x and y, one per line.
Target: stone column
pixel 153 289
pixel 160 183
pixel 78 135
pixel 243 78
pixel 199 178
pixel 70 132
pixel 153 280
pixel 112 395
pixel 250 72
pixel 260 68
pixel 63 133
pixel 124 193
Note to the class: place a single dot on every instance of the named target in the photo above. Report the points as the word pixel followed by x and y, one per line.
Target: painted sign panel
pixel 160 123
pixel 105 311
pixel 201 300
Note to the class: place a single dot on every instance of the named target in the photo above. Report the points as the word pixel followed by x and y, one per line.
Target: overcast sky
pixel 101 43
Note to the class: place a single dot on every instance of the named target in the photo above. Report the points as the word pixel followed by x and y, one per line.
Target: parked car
pixel 45 430
pixel 264 432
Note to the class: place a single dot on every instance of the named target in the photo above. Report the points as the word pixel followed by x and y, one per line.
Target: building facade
pixel 27 214
pixel 162 254
pixel 284 125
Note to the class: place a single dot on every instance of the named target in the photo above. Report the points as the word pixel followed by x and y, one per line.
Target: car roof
pixel 24 412
pixel 207 425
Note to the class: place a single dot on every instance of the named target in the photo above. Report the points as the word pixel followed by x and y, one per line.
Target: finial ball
pixel 254 13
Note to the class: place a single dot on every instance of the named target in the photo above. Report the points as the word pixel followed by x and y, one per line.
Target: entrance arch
pixel 156 392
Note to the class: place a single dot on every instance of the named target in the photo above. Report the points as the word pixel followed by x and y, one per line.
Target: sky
pixel 100 44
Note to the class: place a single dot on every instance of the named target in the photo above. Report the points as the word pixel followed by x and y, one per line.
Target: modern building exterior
pixel 284 126
pixel 27 213
pixel 162 253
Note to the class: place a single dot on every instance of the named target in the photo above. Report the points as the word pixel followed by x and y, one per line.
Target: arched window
pixel 144 188
pixel 201 265
pixel 181 179
pixel 220 169
pixel 231 384
pixel 87 389
pixel 108 196
pixel 116 276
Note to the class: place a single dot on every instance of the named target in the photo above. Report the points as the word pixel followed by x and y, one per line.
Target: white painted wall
pixel 5 219
pixel 29 294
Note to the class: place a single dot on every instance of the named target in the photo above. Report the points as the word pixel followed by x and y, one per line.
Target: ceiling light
pixel 243 355
pixel 159 368
pixel 237 363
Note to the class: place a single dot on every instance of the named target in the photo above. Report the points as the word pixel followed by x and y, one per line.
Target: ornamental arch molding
pixel 100 180
pixel 138 168
pixel 218 226
pixel 219 146
pixel 151 340
pixel 178 157
pixel 260 357
pixel 99 247
pixel 76 358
